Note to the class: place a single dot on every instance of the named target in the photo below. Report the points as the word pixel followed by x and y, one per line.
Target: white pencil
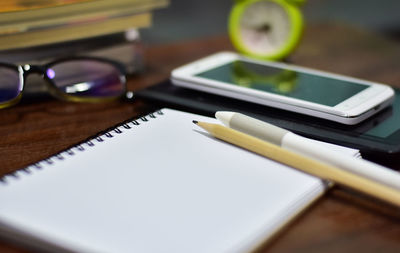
pixel 307 147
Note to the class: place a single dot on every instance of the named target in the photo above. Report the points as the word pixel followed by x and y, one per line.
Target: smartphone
pixel 302 90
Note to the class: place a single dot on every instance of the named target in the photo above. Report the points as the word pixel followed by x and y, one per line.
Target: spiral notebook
pixel 153 184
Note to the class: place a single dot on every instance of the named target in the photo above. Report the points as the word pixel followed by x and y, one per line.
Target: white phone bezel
pixel 351 111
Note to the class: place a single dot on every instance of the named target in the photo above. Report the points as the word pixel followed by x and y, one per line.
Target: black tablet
pixel 376 136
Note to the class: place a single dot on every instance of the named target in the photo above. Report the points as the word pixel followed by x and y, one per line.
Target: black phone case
pixel 167 95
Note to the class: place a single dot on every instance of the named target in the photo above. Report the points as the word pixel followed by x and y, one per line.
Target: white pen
pixel 308 147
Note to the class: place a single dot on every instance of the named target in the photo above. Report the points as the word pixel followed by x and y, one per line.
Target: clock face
pixel 264 27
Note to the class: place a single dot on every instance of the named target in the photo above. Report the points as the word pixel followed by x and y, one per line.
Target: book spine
pixel 80 147
pixel 120 45
pixel 74 32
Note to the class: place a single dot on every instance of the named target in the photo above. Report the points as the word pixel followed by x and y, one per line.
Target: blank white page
pixel 161 186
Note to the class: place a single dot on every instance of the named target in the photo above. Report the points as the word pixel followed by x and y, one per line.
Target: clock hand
pixel 263 28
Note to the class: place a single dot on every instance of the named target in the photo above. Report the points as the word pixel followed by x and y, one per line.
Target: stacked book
pixel 35 31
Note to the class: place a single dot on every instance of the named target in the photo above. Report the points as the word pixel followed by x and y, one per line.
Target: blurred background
pixel 191 19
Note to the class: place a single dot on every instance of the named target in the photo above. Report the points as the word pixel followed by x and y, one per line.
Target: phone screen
pixel 313 88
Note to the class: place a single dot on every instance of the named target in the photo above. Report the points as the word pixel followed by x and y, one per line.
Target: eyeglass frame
pixel 24 70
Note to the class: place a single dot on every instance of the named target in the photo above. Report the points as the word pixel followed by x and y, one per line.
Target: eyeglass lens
pixel 10 84
pixel 87 78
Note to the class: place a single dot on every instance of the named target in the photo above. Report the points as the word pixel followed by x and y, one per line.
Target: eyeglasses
pixel 79 79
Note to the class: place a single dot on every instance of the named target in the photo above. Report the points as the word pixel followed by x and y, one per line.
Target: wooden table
pixel 341 221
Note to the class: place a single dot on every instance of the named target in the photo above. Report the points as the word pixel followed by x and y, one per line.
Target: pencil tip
pixel 195 121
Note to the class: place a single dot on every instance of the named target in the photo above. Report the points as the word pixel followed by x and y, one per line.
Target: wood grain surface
pixel 342 221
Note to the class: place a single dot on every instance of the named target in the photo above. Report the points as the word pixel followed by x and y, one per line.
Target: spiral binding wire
pixel 72 151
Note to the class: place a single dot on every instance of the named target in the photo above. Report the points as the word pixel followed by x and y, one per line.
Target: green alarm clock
pixel 266 29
